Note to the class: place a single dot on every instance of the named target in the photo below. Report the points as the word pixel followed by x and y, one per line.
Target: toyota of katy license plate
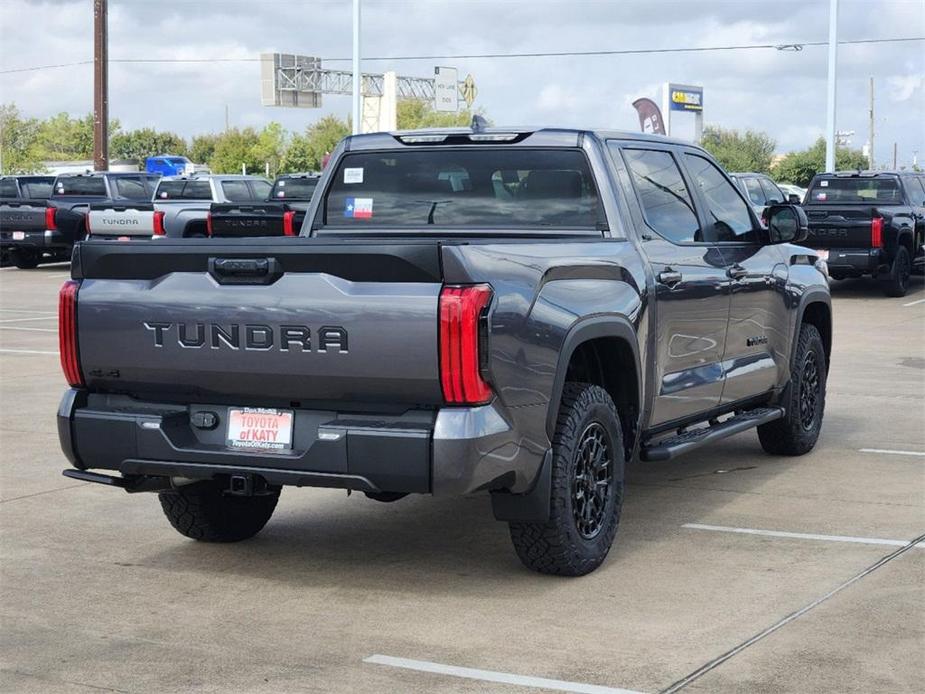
pixel 259 428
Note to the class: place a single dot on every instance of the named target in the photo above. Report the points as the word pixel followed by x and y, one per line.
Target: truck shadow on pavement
pixel 422 545
pixel 868 288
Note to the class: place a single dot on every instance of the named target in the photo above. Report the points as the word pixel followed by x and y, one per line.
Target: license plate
pixel 259 428
pixel 19 235
pixel 823 254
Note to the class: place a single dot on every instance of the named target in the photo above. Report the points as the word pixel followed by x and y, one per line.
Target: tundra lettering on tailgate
pixel 253 337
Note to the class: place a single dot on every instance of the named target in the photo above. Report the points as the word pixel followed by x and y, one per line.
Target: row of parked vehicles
pixel 862 223
pixel 41 217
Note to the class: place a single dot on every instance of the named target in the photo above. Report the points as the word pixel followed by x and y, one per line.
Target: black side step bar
pixel 666 449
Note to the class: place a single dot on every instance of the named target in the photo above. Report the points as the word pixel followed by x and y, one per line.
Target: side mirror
pixel 794 199
pixel 786 223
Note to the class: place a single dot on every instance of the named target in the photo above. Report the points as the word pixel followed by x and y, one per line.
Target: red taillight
pixel 461 310
pixel 876 232
pixel 209 224
pixel 159 224
pixel 51 224
pixel 289 223
pixel 67 332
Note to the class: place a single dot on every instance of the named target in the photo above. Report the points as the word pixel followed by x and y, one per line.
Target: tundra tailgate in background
pixel 22 216
pixel 236 220
pixel 254 322
pixel 832 226
pixel 113 220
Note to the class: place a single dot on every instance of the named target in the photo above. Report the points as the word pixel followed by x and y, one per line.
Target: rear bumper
pixel 453 451
pixel 35 241
pixel 854 262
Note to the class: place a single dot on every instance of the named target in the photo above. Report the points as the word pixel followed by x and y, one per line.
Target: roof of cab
pixel 529 136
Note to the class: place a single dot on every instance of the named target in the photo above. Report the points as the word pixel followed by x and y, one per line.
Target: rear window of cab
pixel 883 190
pixel 471 187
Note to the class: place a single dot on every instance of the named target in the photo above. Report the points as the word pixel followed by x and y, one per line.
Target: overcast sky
pixel 781 93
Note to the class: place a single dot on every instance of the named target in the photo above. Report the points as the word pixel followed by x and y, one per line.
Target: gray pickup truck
pixel 505 311
pixel 185 201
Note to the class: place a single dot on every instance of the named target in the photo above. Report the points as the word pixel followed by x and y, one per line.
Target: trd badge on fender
pixel 254 337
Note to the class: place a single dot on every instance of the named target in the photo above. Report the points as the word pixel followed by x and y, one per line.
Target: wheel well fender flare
pixel 582 331
pixel 814 296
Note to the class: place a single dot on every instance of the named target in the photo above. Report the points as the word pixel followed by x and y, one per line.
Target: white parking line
pixel 888 451
pixel 32 330
pixel 17 310
pixel 492 676
pixel 50 316
pixel 27 351
pixel 801 536
pixel 913 303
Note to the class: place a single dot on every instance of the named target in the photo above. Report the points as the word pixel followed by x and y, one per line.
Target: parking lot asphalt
pixel 733 570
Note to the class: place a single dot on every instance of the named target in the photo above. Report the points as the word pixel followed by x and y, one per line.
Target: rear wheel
pixel 587 488
pixel 798 430
pixel 203 511
pixel 26 260
pixel 897 282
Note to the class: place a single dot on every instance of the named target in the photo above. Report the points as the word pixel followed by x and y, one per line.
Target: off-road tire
pixel 202 511
pixel 897 282
pixel 26 260
pixel 795 433
pixel 558 546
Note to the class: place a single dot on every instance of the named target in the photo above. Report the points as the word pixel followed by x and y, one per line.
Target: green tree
pixel 201 148
pixel 19 150
pixel 143 143
pixel 271 146
pixel 800 167
pixel 737 151
pixel 306 151
pixel 414 113
pixel 233 148
pixel 64 138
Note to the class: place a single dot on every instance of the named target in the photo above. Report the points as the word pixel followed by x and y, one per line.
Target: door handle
pixel 669 277
pixel 736 272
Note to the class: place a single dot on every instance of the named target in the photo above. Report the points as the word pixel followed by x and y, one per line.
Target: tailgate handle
pixel 245 270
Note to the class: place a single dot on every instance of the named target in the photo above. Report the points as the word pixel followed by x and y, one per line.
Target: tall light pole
pixel 100 86
pixel 357 76
pixel 830 105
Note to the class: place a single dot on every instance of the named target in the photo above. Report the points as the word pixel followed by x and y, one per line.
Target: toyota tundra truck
pixel 25 221
pixel 869 223
pixel 280 215
pixel 510 312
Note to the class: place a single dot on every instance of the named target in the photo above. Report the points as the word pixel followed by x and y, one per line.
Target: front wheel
pixel 798 430
pixel 897 282
pixel 203 511
pixel 587 488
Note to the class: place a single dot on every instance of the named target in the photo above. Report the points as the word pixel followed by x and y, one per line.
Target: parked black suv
pixel 506 311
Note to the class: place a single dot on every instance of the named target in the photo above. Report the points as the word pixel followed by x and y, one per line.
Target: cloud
pixel 781 93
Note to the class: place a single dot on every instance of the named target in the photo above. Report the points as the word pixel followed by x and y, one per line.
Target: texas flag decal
pixel 359 208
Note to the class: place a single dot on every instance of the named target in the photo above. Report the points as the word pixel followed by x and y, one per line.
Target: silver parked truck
pixel 511 312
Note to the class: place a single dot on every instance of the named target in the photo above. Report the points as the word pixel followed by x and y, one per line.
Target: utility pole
pixel 870 154
pixel 357 75
pixel 226 118
pixel 894 156
pixel 830 105
pixel 100 86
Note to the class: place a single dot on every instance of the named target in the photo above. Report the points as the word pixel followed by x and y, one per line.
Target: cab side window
pixel 728 214
pixel 663 194
pixel 753 188
pixel 772 193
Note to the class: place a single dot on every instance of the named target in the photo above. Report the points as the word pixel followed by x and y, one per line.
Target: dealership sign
pixel 685 98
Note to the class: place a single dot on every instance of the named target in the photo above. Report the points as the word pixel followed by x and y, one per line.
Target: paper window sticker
pixel 353 175
pixel 824 184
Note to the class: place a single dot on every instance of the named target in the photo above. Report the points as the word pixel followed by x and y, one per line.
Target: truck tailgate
pixel 22 216
pixel 841 226
pixel 236 220
pixel 114 220
pixel 261 321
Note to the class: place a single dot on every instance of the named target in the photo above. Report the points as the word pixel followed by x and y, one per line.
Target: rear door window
pixel 753 188
pixel 131 187
pixel 236 191
pixel 550 189
pixel 729 215
pixel 663 194
pixel 261 190
pixel 869 190
pixel 772 193
pixel 197 190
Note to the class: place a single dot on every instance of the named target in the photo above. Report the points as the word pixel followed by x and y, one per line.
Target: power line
pixel 797 46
